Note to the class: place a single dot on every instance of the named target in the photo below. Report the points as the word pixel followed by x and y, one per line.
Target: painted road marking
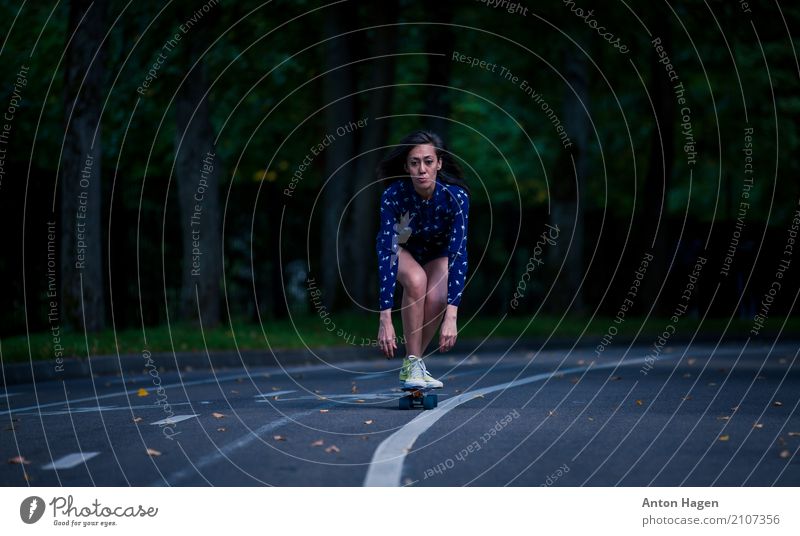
pixel 256 374
pixel 174 419
pixel 276 393
pixel 386 466
pixel 70 460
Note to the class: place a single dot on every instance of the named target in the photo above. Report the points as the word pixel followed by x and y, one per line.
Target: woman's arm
pixel 457 252
pixel 387 253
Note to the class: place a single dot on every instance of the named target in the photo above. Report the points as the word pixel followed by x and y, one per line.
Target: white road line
pixel 276 393
pixel 71 460
pixel 174 419
pixel 386 466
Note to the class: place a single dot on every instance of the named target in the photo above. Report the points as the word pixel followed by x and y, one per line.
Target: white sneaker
pixel 414 375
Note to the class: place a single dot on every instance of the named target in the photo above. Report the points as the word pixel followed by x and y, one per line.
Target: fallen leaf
pixel 477 396
pixel 758 425
pixel 317 443
pixel 359 401
pixel 153 453
pixel 551 412
pixel 222 430
pixel 687 397
pixel 794 434
pixel 137 419
pixel 142 392
pixel 354 389
pixel 279 438
pixel 324 410
pixel 724 437
pixel 581 361
pixel 332 448
pixel 322 398
pixel 724 418
pixel 785 454
pixel 234 392
pixel 458 391
pixel 18 460
pixel 691 361
pixel 777 403
pixel 735 408
pixel 317 391
pixel 639 402
pixel 370 421
pixel 590 418
pixel 616 378
pixel 218 415
pixel 276 388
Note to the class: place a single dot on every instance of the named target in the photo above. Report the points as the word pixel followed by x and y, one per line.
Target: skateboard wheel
pixel 429 401
pixel 405 402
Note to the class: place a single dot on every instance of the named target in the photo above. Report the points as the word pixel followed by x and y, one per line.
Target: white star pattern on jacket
pixel 437 224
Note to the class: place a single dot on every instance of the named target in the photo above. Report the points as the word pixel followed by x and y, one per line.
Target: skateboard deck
pixel 419 397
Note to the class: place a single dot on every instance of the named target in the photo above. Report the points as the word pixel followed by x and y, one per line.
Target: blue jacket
pixel 427 228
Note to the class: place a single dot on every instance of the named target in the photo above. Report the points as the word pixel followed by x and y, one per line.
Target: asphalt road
pixel 700 416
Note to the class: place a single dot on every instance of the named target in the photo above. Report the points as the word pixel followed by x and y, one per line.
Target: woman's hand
pixel 448 332
pixel 386 339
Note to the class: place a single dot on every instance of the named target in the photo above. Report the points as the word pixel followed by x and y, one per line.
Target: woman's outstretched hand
pixel 447 333
pixel 386 339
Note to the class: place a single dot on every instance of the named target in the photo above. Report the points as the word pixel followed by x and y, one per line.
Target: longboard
pixel 419 397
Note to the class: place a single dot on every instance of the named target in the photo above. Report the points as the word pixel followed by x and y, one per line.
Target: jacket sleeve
pixel 457 250
pixel 386 247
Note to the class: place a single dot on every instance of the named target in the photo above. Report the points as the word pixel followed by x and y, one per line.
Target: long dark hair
pixel 391 169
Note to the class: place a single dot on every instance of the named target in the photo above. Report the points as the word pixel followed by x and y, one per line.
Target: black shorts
pixel 424 253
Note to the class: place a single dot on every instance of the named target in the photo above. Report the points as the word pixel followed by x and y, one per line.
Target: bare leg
pixel 415 283
pixel 435 299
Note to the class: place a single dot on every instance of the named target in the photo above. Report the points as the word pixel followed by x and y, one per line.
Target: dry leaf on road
pixel 137 419
pixel 317 443
pixel 153 453
pixel 142 392
pixel 370 421
pixel 18 460
pixel 332 448
pixel 279 438
pixel 324 410
pixel 724 437
pixel 218 415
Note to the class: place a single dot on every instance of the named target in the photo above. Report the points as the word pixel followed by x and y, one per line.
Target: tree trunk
pixel 653 216
pixel 82 280
pixel 197 174
pixel 568 186
pixel 439 40
pixel 362 275
pixel 337 180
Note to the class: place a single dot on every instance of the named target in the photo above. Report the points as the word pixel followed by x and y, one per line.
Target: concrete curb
pixel 72 368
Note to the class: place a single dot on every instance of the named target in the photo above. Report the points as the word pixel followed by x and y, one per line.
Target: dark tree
pixel 197 173
pixel 82 273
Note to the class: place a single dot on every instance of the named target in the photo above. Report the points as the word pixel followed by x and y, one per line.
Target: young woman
pixel 422 244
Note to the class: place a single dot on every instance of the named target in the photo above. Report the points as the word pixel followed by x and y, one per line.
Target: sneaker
pixel 430 381
pixel 413 374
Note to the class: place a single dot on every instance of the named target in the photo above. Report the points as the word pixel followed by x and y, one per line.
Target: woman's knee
pixel 415 283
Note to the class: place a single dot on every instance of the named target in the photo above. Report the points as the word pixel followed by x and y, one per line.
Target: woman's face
pixel 422 164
